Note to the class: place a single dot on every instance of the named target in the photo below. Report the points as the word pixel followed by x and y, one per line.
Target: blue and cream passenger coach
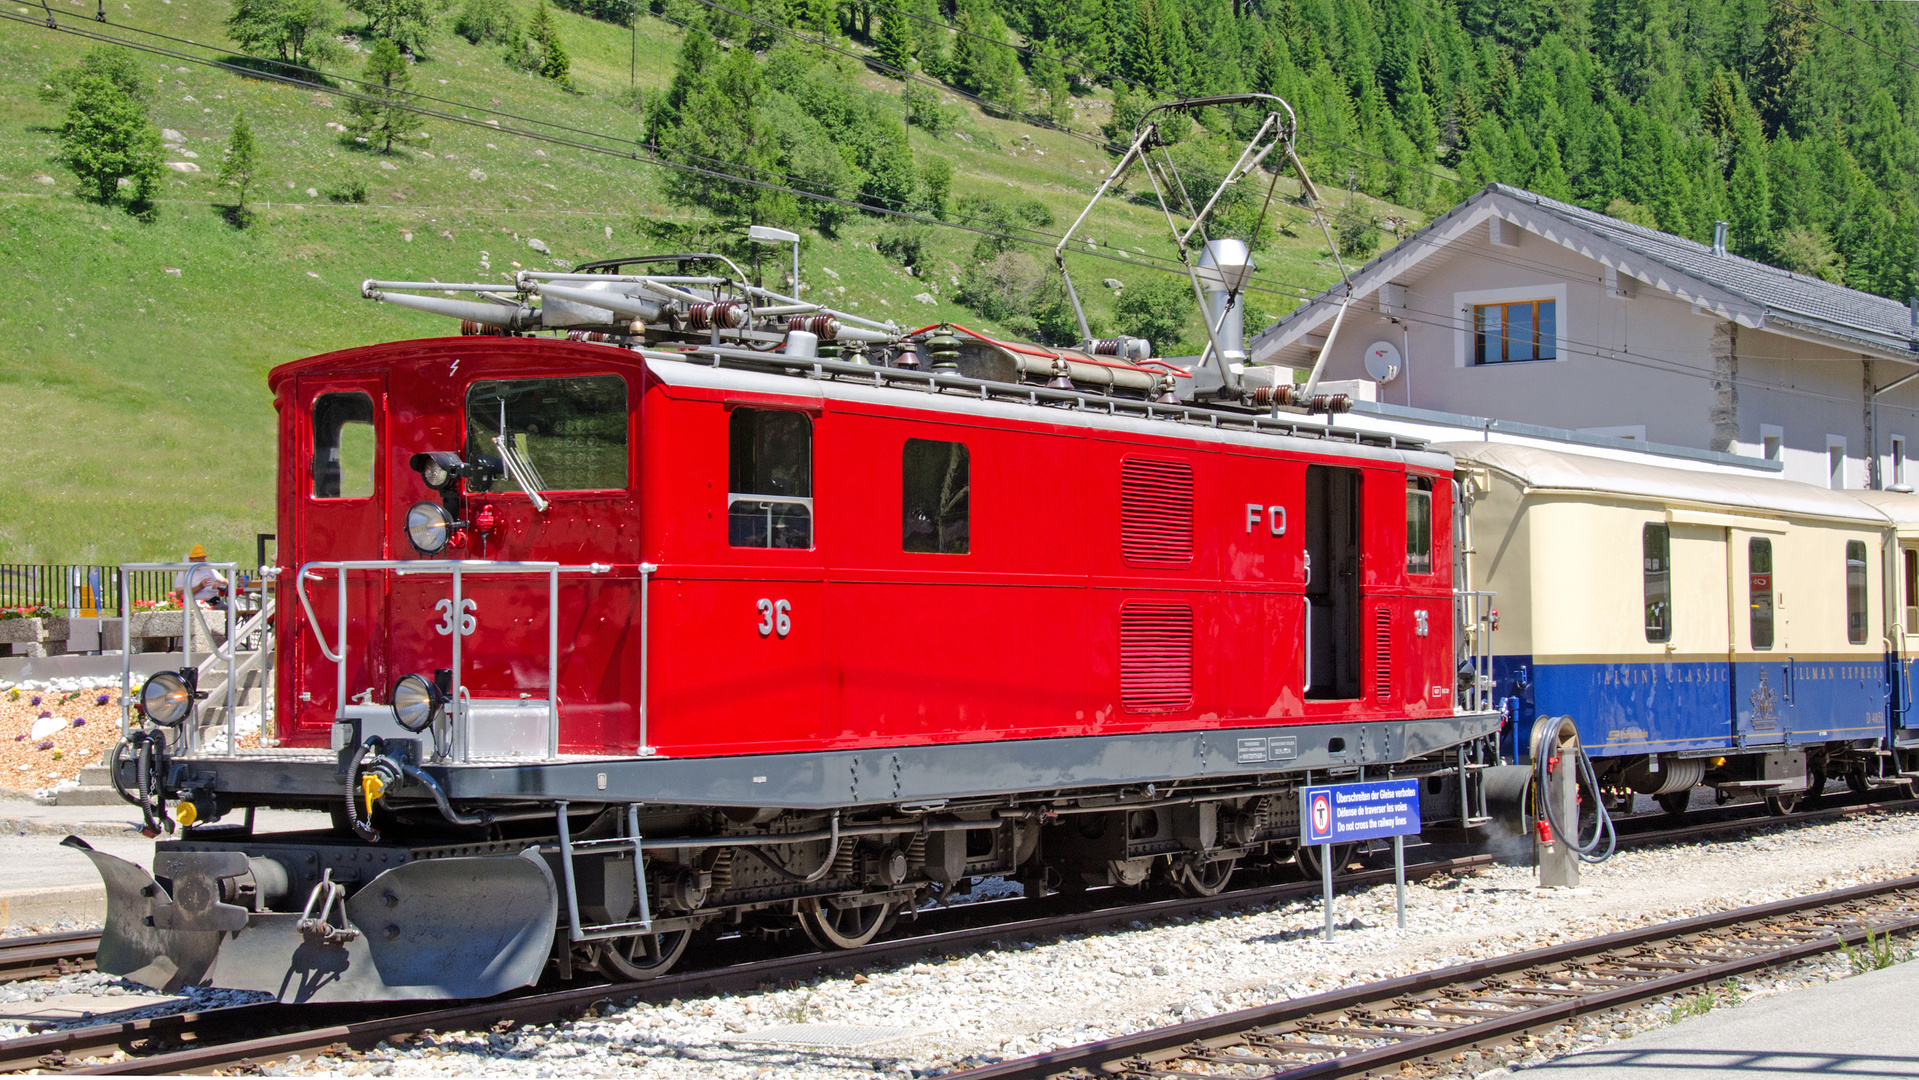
pixel 1699 626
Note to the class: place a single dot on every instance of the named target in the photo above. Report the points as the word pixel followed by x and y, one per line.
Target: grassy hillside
pixel 133 356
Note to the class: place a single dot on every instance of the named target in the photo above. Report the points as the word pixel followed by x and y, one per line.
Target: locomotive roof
pixel 1096 412
pixel 921 390
pixel 1540 469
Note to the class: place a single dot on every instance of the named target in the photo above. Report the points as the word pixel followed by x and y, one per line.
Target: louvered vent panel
pixel 1156 512
pixel 1382 655
pixel 1156 657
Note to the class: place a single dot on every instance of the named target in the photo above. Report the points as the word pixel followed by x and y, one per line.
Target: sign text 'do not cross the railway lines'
pixel 1342 813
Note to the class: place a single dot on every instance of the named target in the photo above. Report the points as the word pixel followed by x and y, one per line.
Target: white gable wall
pixel 1633 358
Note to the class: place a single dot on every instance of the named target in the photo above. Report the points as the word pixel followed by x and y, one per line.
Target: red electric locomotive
pixel 731 612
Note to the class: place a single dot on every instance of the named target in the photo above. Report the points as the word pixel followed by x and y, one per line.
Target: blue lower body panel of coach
pixel 1625 709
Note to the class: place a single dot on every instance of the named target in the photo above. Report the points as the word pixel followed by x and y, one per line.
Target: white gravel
pixel 1025 999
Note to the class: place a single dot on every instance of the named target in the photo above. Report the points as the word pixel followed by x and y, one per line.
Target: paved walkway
pixel 43 884
pixel 1857 1027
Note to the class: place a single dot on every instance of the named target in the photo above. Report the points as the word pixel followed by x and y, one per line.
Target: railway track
pixel 47 954
pixel 189 1042
pixel 1424 1017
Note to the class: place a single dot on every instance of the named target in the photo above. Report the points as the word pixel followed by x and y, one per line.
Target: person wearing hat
pixel 201 582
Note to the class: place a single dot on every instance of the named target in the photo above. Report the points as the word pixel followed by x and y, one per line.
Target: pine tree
pixel 1415 112
pixel 1549 173
pixel 107 137
pixel 1502 86
pixel 1720 109
pixel 380 115
pixel 241 165
pixel 1779 86
pixel 1748 193
pixel 895 42
pixel 1599 182
pixel 552 61
pixel 406 23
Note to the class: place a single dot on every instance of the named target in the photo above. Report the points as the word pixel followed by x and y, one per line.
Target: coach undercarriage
pixel 549 886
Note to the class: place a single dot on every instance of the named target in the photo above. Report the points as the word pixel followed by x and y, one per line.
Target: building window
pixel 1419 525
pixel 1759 584
pixel 343 456
pixel 933 497
pixel 1507 333
pixel 769 501
pixel 1856 591
pixel 1836 462
pixel 1899 461
pixel 1772 442
pixel 564 434
pixel 1655 547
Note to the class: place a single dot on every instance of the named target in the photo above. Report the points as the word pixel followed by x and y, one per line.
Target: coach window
pixel 1419 525
pixel 1759 585
pixel 933 497
pixel 561 434
pixel 1856 591
pixel 343 454
pixel 769 501
pixel 1655 548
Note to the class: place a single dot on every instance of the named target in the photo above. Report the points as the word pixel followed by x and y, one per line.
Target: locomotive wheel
pixel 643 956
pixel 1309 855
pixel 1203 879
pixel 1675 803
pixel 842 928
pixel 1782 805
pixel 1856 780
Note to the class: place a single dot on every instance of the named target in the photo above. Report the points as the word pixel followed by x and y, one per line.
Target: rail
pixel 458 699
pixel 189 731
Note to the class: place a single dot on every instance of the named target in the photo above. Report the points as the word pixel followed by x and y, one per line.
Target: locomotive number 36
pixel 775 617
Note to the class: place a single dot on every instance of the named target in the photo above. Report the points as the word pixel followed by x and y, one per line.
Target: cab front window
pixel 564 434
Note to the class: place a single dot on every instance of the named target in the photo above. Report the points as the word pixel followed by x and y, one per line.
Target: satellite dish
pixel 1382 361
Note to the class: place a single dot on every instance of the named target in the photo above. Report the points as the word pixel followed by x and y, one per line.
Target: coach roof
pixel 1545 471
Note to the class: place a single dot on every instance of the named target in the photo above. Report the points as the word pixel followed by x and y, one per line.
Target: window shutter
pixel 1156 657
pixel 1156 512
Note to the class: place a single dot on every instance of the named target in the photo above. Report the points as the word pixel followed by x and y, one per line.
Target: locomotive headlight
pixel 167 698
pixel 416 701
pixel 427 527
pixel 439 468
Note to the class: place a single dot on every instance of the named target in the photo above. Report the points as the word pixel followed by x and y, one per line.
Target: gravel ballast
pixel 1028 998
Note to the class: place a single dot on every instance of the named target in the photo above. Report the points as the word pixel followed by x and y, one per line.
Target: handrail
pixel 190 732
pixel 457 569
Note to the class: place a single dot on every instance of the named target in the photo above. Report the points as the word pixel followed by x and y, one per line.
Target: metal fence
pixel 77 586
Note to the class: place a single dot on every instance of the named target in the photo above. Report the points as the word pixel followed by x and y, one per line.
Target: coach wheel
pixel 1309 856
pixel 643 956
pixel 1856 779
pixel 1675 802
pixel 1782 805
pixel 1203 879
pixel 842 928
pixel 1815 781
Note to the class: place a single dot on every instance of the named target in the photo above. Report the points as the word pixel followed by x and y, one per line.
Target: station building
pixel 1516 316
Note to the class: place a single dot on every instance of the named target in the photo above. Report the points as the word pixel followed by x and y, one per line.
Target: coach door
pixel 340 514
pixel 1333 582
pixel 1903 619
pixel 1758 653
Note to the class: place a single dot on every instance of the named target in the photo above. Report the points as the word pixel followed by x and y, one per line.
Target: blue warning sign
pixel 1340 813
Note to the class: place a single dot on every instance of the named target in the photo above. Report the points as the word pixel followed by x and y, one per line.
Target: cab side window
pixel 769 502
pixel 1856 592
pixel 934 492
pixel 1419 525
pixel 343 452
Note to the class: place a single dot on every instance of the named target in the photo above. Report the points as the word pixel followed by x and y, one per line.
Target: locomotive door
pixel 1760 672
pixel 340 513
pixel 1333 582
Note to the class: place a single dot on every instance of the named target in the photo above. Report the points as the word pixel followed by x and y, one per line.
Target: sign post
pixel 1347 813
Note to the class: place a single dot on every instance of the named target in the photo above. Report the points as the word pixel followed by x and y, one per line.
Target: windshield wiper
pixel 517 466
